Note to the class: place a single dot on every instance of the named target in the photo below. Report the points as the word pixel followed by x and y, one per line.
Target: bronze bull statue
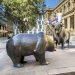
pixel 23 44
pixel 51 31
pixel 63 35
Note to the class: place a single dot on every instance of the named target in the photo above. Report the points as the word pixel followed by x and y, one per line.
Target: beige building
pixel 3 26
pixel 2 31
pixel 67 8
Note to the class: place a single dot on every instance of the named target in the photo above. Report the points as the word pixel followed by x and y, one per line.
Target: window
pixel 68 5
pixel 65 23
pixel 40 17
pixel 3 27
pixel 64 8
pixel 72 21
pixel 39 22
pixel 60 10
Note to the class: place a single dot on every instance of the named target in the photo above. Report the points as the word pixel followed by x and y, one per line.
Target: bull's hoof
pixel 18 65
pixel 45 63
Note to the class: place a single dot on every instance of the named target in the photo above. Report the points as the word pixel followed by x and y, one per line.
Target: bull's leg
pixel 68 43
pixel 68 39
pixel 56 43
pixel 62 45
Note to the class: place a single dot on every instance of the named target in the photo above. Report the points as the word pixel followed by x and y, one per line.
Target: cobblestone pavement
pixel 3 41
pixel 60 61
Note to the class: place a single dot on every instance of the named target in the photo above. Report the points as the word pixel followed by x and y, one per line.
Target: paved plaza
pixel 60 61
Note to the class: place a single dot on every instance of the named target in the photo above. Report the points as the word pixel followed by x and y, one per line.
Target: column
pixel 74 21
pixel 68 23
pixel 66 7
pixel 63 22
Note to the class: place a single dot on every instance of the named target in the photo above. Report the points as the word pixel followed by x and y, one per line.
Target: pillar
pixel 63 21
pixel 68 23
pixel 74 21
pixel 1 28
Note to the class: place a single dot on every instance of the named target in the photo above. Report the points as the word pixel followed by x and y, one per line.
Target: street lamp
pixel 26 23
pixel 41 10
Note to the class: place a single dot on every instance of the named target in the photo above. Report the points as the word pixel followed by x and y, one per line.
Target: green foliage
pixel 22 8
pixel 1 1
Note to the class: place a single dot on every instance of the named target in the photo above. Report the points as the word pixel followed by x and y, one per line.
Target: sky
pixel 51 3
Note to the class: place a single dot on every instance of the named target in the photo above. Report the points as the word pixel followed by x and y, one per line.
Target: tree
pixel 19 9
pixel 1 1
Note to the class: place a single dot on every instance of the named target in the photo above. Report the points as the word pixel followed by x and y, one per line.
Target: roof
pixel 59 4
pixel 51 9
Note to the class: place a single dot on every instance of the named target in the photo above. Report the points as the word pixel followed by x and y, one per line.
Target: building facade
pixel 2 21
pixel 67 8
pixel 6 26
pixel 3 26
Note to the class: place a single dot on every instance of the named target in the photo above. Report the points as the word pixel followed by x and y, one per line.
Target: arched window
pixel 60 10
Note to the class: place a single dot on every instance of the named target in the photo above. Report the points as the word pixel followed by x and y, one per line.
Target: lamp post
pixel 40 22
pixel 26 23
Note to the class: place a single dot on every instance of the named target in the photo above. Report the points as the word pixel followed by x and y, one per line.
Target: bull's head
pixel 58 28
pixel 50 44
